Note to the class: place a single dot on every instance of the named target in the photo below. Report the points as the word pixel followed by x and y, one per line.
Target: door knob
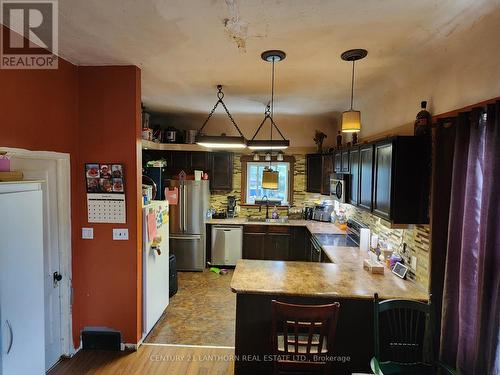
pixel 57 277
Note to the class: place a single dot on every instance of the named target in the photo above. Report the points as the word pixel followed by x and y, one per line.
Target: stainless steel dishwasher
pixel 227 244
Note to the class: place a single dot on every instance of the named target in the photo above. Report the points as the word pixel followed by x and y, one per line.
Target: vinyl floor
pixel 203 312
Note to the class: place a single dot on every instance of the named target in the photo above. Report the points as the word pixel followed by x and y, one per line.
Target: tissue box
pixel 4 163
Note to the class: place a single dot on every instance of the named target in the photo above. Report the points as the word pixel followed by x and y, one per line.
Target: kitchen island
pixel 258 282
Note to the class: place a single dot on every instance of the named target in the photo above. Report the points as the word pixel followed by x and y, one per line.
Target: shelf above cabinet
pixel 149 145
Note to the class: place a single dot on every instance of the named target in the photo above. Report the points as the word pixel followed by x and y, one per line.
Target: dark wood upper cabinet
pixel 366 176
pixel 200 160
pixel 391 178
pixel 313 173
pixel 354 183
pixel 382 185
pixel 326 171
pixel 338 161
pixel 179 161
pixel 222 171
pixel 345 161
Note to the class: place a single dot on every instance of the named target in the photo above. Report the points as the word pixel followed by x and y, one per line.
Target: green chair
pixel 403 339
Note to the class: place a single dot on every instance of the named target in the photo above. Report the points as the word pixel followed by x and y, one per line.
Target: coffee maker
pixel 231 206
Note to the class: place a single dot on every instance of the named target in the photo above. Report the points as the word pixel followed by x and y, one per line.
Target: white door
pixel 46 170
pixel 21 289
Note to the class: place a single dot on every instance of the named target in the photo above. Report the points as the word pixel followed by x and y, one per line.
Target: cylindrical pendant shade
pixel 351 121
pixel 270 179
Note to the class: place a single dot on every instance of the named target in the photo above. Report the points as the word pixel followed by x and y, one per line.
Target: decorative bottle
pixel 423 123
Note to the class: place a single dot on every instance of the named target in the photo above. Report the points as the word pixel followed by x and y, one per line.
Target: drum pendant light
pixel 221 141
pixel 351 119
pixel 272 56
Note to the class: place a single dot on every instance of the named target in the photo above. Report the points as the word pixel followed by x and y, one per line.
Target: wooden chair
pixel 303 336
pixel 403 341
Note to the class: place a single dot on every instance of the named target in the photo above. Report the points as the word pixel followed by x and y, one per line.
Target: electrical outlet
pixel 120 234
pixel 88 233
pixel 413 262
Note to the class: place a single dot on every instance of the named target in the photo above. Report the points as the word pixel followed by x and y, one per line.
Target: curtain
pixel 471 298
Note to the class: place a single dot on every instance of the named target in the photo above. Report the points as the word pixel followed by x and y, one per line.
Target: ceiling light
pixel 221 141
pixel 271 56
pixel 351 119
pixel 268 157
pixel 256 157
pixel 279 157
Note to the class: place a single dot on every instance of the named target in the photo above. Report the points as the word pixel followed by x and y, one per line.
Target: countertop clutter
pixel 312 226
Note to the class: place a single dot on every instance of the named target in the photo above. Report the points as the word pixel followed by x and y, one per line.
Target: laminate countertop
pixel 312 226
pixel 344 278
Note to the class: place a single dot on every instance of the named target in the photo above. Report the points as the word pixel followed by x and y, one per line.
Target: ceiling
pixel 185 48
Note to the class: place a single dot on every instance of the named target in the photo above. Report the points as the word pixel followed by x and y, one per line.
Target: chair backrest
pixel 402 331
pixel 304 330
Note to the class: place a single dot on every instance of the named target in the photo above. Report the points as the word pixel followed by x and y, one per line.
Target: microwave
pixel 339 184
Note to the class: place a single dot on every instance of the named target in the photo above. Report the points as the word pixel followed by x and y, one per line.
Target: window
pixel 251 180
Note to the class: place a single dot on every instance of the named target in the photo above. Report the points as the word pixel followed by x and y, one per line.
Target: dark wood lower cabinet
pixel 254 241
pixel 273 242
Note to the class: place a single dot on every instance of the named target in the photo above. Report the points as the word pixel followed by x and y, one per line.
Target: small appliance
pixel 231 206
pixel 155 176
pixel 308 213
pixel 323 211
pixel 339 187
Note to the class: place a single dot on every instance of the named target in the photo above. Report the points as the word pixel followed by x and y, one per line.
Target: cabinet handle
pixel 11 336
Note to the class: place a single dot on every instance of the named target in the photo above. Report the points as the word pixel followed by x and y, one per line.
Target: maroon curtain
pixel 471 299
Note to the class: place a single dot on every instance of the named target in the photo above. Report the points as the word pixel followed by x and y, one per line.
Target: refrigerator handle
pixel 180 200
pixel 184 209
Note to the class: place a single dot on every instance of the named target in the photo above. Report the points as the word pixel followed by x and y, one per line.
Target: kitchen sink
pixel 251 219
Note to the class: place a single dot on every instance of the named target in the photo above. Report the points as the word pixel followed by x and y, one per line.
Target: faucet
pixel 267 206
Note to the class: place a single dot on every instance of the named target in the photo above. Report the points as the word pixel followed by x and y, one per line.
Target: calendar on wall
pixel 105 193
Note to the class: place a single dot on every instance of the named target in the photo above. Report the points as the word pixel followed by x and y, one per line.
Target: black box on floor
pixel 172 270
pixel 101 338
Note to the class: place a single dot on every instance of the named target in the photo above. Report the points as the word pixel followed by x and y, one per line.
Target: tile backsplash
pixel 300 196
pixel 416 237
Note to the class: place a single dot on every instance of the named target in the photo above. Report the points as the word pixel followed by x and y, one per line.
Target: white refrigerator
pixel 22 328
pixel 155 263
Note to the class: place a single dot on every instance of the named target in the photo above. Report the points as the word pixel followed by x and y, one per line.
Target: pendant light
pixel 221 141
pixel 351 119
pixel 272 56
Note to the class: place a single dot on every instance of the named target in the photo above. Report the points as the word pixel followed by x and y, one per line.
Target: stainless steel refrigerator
pixel 187 224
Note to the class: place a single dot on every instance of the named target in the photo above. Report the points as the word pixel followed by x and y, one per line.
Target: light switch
pixel 88 233
pixel 120 234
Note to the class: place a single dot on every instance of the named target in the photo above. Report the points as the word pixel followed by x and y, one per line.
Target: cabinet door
pixel 345 161
pixel 354 183
pixel 199 161
pixel 277 246
pixel 253 245
pixel 179 161
pixel 313 170
pixel 382 180
pixel 222 171
pixel 338 161
pixel 298 244
pixel 327 169
pixel 366 177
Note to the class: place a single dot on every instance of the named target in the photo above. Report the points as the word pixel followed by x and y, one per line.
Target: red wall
pixel 107 274
pixel 92 113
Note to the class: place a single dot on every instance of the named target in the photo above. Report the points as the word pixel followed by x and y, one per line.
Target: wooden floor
pixel 151 360
pixel 203 312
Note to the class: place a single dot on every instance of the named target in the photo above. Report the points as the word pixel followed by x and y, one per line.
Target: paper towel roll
pixel 364 239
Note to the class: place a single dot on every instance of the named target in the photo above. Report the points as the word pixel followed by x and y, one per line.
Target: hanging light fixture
pixel 351 119
pixel 272 56
pixel 220 141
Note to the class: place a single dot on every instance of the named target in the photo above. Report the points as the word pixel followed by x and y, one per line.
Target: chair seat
pixel 302 340
pixel 392 368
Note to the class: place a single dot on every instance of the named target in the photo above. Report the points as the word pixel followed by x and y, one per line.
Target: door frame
pixel 65 249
